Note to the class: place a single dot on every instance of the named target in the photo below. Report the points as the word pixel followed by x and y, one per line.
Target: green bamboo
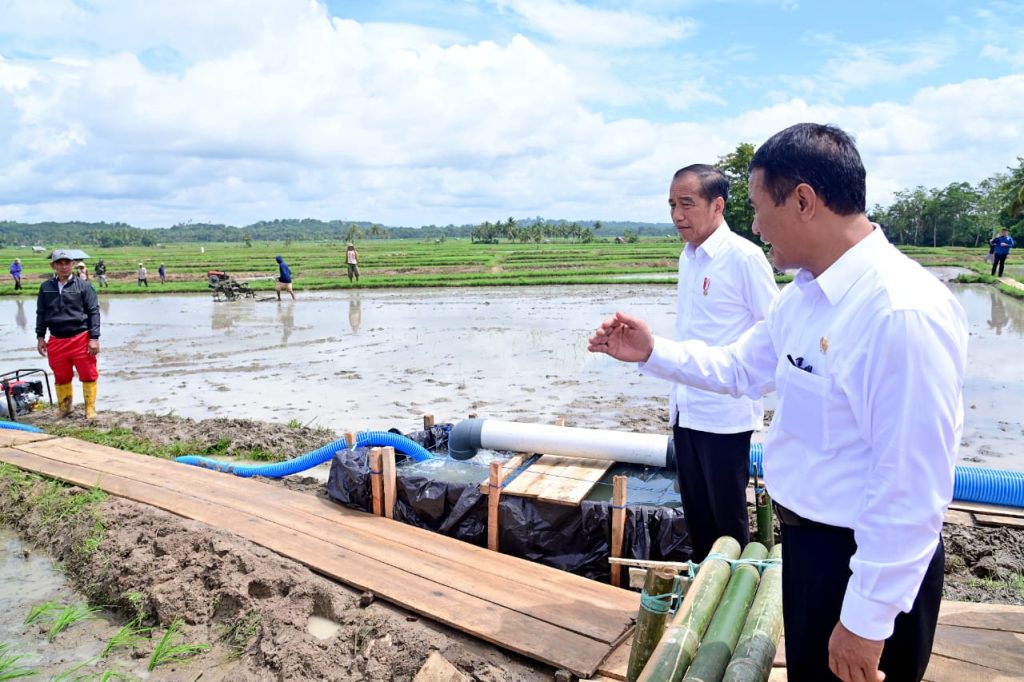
pixel 650 625
pixel 719 641
pixel 765 523
pixel 674 652
pixel 755 651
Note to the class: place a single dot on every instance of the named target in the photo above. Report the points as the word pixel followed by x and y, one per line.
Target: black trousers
pixel 816 569
pixel 713 470
pixel 999 261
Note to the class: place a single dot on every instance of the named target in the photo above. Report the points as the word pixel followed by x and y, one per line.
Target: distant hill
pixel 122 234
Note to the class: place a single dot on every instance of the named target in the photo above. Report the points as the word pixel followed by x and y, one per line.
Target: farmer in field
pixel 68 308
pixel 284 278
pixel 16 273
pixel 352 261
pixel 1001 246
pixel 101 272
pixel 143 276
pixel 867 352
pixel 162 271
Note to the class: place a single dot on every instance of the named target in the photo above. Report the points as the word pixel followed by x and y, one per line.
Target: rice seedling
pixel 241 632
pixel 128 636
pixel 71 614
pixel 167 650
pixel 41 612
pixel 9 668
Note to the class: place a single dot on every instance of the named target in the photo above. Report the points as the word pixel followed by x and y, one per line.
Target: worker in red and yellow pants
pixel 69 309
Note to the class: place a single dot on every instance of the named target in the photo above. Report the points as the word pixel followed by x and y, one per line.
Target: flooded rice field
pixel 352 360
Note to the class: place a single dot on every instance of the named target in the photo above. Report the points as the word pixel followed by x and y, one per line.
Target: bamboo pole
pixel 618 525
pixel 720 640
pixel 376 489
pixel 765 522
pixel 493 510
pixel 390 484
pixel 674 652
pixel 755 651
pixel 649 624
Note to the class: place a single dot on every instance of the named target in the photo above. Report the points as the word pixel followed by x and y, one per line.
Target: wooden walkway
pixel 543 613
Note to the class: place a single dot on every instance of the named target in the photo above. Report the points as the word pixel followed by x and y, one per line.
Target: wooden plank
pixel 1003 617
pixel 616 602
pixel 438 669
pixel 489 621
pixel 562 480
pixel 998 509
pixel 11 437
pixel 507 468
pixel 616 665
pixel 544 597
pixel 994 520
pixel 388 469
pixel 958 518
pixel 1001 651
pixel 944 669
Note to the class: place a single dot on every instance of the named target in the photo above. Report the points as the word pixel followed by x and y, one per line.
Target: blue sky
pixel 416 112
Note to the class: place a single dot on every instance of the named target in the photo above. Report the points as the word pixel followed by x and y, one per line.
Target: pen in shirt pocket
pixel 799 364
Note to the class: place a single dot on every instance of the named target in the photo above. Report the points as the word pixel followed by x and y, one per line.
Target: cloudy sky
pixel 416 112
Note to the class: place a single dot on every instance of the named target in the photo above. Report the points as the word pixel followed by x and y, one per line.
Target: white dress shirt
pixel 725 286
pixel 867 439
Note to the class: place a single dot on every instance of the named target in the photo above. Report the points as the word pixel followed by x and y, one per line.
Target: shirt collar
pixel 840 277
pixel 712 244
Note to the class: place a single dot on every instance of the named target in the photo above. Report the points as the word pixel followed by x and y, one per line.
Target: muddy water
pixel 380 359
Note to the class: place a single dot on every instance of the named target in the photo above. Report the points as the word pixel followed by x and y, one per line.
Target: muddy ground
pixel 215 580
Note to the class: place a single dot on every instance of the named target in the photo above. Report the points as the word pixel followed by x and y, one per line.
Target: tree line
pixel 960 214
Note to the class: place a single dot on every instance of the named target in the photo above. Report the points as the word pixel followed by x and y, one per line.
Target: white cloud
pixel 577 24
pixel 296 113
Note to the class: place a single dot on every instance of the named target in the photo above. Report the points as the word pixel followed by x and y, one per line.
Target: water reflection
pixel 998 319
pixel 286 316
pixel 355 313
pixel 19 316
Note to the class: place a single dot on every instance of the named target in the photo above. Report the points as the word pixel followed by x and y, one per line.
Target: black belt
pixel 791 518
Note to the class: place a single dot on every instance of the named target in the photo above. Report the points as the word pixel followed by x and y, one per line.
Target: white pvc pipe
pixel 494 434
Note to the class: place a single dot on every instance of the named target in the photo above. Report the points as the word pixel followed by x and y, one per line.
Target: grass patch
pixel 169 650
pixel 241 632
pixel 127 440
pixel 10 668
pixel 1014 584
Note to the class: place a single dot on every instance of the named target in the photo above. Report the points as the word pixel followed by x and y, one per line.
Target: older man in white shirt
pixel 725 286
pixel 867 352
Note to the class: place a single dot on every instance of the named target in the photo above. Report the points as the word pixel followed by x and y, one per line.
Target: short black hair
pixel 821 156
pixel 713 182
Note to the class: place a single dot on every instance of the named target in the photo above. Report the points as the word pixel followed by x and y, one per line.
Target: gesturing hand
pixel 624 338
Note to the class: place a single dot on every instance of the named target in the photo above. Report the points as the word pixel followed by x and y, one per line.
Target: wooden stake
pixel 390 485
pixel 350 438
pixel 493 498
pixel 428 422
pixel 618 525
pixel 560 421
pixel 375 481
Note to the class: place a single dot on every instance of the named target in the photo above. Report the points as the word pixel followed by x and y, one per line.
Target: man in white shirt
pixel 867 352
pixel 725 286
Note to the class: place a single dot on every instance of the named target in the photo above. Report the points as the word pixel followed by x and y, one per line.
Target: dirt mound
pixel 232 592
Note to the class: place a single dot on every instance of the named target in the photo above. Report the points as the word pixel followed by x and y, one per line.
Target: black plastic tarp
pixel 571 538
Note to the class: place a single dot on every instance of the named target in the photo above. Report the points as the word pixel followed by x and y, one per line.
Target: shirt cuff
pixel 659 364
pixel 868 618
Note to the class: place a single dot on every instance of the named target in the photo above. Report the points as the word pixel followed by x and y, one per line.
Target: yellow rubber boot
pixel 65 393
pixel 89 390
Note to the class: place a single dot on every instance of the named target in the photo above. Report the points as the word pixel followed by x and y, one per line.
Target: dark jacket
pixel 285 277
pixel 69 312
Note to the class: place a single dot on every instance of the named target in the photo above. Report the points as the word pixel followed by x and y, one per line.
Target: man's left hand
pixel 94 346
pixel 853 658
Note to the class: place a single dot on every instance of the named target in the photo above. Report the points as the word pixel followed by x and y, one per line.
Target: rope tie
pixel 693 567
pixel 662 603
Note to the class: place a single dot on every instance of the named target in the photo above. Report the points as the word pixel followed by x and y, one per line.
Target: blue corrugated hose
pixel 311 459
pixel 15 426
